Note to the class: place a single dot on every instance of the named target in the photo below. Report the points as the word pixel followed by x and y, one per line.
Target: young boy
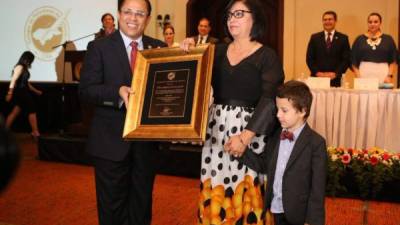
pixel 295 161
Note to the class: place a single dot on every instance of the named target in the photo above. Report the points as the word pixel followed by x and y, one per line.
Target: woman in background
pixel 169 35
pixel 374 54
pixel 20 91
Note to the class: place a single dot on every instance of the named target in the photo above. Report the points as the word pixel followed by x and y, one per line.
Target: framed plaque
pixel 171 94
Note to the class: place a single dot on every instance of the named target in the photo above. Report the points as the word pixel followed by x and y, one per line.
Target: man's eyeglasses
pixel 237 14
pixel 131 12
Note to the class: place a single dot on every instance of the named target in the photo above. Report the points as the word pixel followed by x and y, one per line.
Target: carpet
pixel 48 193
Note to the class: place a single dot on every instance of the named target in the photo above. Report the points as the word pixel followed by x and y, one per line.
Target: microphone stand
pixel 64 45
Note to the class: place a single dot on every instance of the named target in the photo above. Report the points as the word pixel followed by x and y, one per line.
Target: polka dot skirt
pixel 230 191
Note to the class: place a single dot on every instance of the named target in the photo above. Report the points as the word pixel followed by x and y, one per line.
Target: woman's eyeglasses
pixel 237 14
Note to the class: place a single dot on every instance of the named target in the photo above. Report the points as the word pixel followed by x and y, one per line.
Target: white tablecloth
pixel 356 118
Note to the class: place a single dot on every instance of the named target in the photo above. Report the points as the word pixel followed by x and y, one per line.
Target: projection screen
pixel 42 25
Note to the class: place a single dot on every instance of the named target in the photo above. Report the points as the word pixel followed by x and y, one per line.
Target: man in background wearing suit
pixel 328 52
pixel 204 29
pixel 108 26
pixel 124 171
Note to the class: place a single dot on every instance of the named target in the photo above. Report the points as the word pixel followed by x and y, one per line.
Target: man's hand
pixel 331 75
pixel 388 79
pixel 124 92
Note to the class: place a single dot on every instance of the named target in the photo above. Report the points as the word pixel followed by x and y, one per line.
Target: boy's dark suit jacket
pixel 105 70
pixel 337 59
pixel 303 183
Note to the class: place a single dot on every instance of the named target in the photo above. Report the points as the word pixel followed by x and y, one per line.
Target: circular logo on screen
pixel 46 28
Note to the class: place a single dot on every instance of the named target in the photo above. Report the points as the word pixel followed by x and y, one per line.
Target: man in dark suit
pixel 124 171
pixel 108 26
pixel 295 161
pixel 204 29
pixel 10 156
pixel 328 52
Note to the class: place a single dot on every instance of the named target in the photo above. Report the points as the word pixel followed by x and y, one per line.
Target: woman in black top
pixel 20 91
pixel 374 53
pixel 246 75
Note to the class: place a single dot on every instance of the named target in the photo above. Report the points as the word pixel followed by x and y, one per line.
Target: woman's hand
pixel 235 146
pixel 39 92
pixel 34 90
pixel 9 97
pixel 186 44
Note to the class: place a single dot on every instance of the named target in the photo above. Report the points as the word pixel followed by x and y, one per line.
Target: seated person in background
pixel 328 52
pixel 374 54
pixel 204 29
pixel 294 160
pixel 108 26
pixel 169 35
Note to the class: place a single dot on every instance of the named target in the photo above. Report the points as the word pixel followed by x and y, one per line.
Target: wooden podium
pixel 76 59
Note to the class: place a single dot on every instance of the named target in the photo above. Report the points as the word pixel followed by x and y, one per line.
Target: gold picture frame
pixel 171 93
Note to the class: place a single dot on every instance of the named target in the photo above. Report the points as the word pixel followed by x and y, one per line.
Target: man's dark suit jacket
pixel 210 39
pixel 106 68
pixel 303 182
pixel 337 59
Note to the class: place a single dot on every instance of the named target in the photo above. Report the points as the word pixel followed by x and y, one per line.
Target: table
pixel 357 118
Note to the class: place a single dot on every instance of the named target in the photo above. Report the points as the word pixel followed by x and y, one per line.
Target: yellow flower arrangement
pixel 364 171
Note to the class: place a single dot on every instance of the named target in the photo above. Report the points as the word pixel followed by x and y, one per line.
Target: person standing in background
pixel 204 29
pixel 20 93
pixel 108 26
pixel 124 170
pixel 374 53
pixel 328 51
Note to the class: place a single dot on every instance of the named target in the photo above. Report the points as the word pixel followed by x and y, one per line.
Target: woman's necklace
pixel 374 41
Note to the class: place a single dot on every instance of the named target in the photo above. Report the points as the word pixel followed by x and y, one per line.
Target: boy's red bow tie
pixel 287 135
